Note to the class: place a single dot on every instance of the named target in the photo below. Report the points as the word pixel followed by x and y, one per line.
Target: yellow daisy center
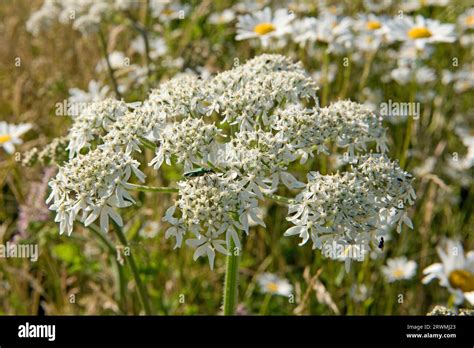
pixel 398 273
pixel 462 279
pixel 470 20
pixel 5 138
pixel 272 287
pixel 264 28
pixel 373 25
pixel 419 33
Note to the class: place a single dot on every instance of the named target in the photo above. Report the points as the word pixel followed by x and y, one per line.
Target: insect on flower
pixel 197 172
pixel 381 243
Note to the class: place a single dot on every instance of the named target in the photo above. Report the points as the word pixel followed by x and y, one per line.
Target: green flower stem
pixel 120 275
pixel 265 304
pixel 103 46
pixel 142 293
pixel 408 131
pixel 409 127
pixel 278 199
pixel 325 95
pixel 406 142
pixel 365 73
pixel 231 280
pixel 346 80
pixel 148 144
pixel 153 188
pixel 145 188
pixel 232 263
pixel 143 32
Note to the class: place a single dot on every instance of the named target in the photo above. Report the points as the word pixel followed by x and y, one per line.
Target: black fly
pixel 381 243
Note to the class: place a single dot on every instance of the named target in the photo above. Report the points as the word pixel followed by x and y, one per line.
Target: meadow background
pixel 80 274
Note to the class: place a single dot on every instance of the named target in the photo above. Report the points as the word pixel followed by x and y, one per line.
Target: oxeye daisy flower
pixel 359 293
pixel 117 60
pixel 95 92
pixel 271 284
pixel 420 31
pixel 408 71
pixel 455 272
pixel 377 5
pixel 167 10
pixel 467 137
pixel 304 31
pixel 335 31
pixel 463 79
pixel 415 5
pixel 126 4
pixel 264 25
pixel 157 46
pixel 466 20
pixel 399 269
pixel 371 31
pixel 247 6
pixel 226 16
pixel 150 229
pixel 371 23
pixel 10 135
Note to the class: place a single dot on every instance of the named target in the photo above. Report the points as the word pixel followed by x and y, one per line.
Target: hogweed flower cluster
pixel 53 153
pixel 91 186
pixel 189 141
pixel 212 207
pixel 93 121
pixel 246 127
pixel 348 209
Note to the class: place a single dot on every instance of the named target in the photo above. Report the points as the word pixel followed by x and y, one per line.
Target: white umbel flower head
pixel 91 186
pixel 237 135
pixel 213 208
pixel 247 94
pixel 341 212
pixel 189 141
pixel 349 124
pixel 93 121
